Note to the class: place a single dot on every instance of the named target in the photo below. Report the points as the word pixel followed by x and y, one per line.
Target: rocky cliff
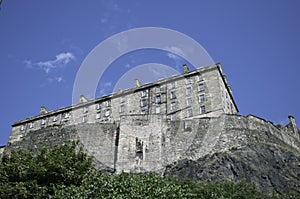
pixel 229 147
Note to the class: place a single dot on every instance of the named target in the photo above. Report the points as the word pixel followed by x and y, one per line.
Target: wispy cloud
pixel 60 60
pixel 105 88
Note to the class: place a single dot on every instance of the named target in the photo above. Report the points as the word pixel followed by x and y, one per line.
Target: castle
pixel 150 126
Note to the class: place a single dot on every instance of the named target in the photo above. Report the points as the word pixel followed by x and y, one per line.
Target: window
pixel 107 113
pixel 173 95
pixel 202 110
pixel 143 112
pixel 201 98
pixel 173 117
pixel 188 80
pixel 157 89
pixel 98 115
pixel 157 109
pixel 85 109
pixel 173 85
pixel 188 90
pixel 188 101
pixel 22 128
pixel 43 122
pixel 201 87
pixel 66 115
pixel 121 109
pixel 55 118
pixel 84 118
pixel 144 93
pixel 99 106
pixel 108 103
pixel 157 99
pixel 122 99
pixel 173 106
pixel 31 125
pixel 190 112
pixel 200 78
pixel 143 102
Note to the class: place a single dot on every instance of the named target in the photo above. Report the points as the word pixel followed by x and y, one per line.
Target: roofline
pixel 126 92
pixel 226 85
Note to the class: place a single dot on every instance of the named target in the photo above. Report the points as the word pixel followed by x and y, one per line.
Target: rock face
pixel 229 147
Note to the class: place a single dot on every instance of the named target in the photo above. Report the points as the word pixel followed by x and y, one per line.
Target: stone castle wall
pixel 143 143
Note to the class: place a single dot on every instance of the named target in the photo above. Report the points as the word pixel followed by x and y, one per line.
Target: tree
pixel 26 175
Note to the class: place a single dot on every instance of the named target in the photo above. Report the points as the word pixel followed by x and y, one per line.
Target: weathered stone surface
pixel 229 147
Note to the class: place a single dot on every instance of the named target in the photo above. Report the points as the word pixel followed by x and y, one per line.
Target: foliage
pixel 25 175
pixel 66 172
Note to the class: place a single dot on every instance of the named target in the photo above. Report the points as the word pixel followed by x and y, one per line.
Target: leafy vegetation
pixel 66 172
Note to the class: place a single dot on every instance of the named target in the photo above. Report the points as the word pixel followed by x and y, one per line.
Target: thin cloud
pixel 60 60
pixel 105 88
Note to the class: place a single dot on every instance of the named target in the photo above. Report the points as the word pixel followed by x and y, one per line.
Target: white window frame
pixel 188 90
pixel 200 78
pixel 122 109
pixel 157 99
pixel 201 87
pixel 54 118
pixel 107 113
pixel 144 93
pixel 157 109
pixel 99 106
pixel 173 117
pixel 201 98
pixel 189 101
pixel 189 112
pixel 22 128
pixel 31 125
pixel 173 95
pixel 157 89
pixel 98 115
pixel 43 122
pixel 173 85
pixel 188 80
pixel 202 110
pixel 173 106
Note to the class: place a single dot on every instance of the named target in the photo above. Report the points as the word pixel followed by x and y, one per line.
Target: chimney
pixel 137 83
pixel 83 99
pixel 185 68
pixel 43 110
pixel 293 124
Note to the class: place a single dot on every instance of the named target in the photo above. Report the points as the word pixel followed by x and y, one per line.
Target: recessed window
pixel 202 110
pixel 189 101
pixel 55 118
pixel 98 115
pixel 188 90
pixel 157 99
pixel 173 117
pixel 188 80
pixel 173 106
pixel 157 89
pixel 172 95
pixel 22 128
pixel 31 125
pixel 99 106
pixel 66 115
pixel 43 122
pixel 190 112
pixel 85 109
pixel 200 78
pixel 157 109
pixel 173 85
pixel 143 102
pixel 201 98
pixel 144 93
pixel 201 87
pixel 143 112
pixel 107 113
pixel 84 119
pixel 122 99
pixel 108 103
pixel 122 108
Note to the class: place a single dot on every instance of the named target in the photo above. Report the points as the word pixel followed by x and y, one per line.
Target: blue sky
pixel 43 44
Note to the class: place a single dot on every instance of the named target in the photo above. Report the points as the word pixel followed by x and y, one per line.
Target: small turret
pixel 137 83
pixel 43 110
pixel 83 99
pixel 185 68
